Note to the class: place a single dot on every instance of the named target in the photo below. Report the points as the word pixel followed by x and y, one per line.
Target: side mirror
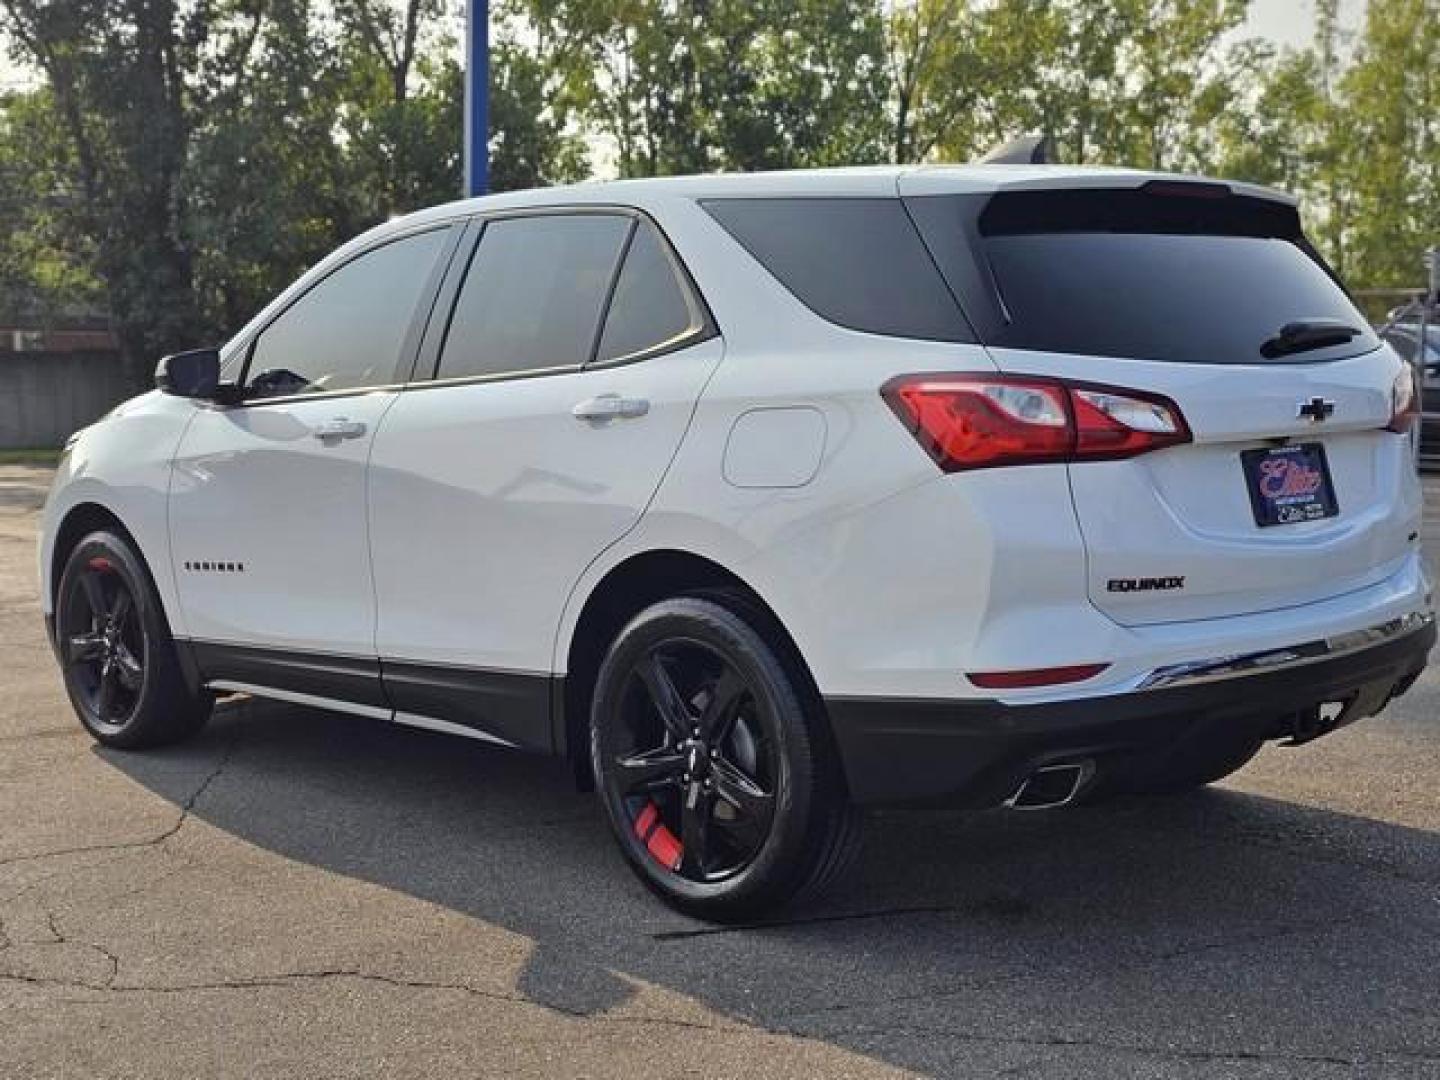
pixel 193 374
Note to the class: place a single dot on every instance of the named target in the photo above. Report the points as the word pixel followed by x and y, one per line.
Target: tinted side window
pixel 856 262
pixel 347 331
pixel 533 296
pixel 651 306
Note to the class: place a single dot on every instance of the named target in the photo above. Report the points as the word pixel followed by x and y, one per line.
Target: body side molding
pixel 509 708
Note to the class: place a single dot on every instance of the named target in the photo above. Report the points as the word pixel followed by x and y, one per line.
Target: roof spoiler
pixel 1026 150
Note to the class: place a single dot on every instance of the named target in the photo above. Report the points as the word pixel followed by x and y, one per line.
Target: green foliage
pixel 531 99
pixel 181 160
pixel 681 86
pixel 115 93
pixel 1391 133
pixel 44 271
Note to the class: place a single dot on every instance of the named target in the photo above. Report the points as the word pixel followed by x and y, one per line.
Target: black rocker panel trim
pixel 340 678
pixel 510 705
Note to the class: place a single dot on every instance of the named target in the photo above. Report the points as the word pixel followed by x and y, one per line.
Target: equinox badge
pixel 1144 584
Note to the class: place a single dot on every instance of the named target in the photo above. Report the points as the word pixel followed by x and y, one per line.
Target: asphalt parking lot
pixel 297 893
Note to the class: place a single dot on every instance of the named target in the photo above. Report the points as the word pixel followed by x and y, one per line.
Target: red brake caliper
pixel 658 840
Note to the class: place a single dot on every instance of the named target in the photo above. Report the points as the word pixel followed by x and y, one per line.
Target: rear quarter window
pixel 650 307
pixel 857 262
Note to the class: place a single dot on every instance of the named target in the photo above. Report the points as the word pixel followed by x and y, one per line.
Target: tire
pixel 727 800
pixel 120 664
pixel 1193 765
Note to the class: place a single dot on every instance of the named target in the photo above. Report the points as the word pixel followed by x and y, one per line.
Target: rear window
pixel 1192 276
pixel 857 262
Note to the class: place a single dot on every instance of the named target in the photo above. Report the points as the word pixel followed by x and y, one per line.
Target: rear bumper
pixel 976 752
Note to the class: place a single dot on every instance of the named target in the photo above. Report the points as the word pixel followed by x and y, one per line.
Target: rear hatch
pixel 1291 489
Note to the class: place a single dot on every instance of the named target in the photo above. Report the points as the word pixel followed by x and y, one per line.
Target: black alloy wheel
pixel 694 761
pixel 103 644
pixel 121 665
pixel 713 759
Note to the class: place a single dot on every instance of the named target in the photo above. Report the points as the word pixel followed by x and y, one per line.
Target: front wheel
pixel 121 668
pixel 713 763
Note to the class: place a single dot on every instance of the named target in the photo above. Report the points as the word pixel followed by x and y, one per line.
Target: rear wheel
pixel 122 671
pixel 716 773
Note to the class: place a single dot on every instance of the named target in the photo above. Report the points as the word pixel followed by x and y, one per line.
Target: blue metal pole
pixel 477 96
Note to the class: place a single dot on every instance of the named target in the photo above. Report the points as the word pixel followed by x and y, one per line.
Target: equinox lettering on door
pixel 1144 584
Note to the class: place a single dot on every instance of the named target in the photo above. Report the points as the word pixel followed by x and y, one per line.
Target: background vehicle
pixel 1405 338
pixel 763 498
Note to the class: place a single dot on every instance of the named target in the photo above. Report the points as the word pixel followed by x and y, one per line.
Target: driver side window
pixel 347 331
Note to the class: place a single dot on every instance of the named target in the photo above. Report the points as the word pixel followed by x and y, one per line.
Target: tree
pixel 184 159
pixel 401 111
pixel 1391 95
pixel 266 178
pixel 43 265
pixel 675 86
pixel 1168 60
pixel 936 76
pixel 536 84
pixel 116 70
pixel 189 159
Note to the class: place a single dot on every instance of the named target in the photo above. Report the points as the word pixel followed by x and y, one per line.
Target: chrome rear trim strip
pixel 1310 652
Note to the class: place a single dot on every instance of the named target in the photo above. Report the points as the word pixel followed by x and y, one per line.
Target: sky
pixel 1292 22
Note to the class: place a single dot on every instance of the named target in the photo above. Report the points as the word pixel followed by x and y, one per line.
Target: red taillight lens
pixel 970 423
pixel 979 421
pixel 1404 402
pixel 1032 677
pixel 1122 423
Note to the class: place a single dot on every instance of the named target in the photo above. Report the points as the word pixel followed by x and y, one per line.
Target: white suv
pixel 762 498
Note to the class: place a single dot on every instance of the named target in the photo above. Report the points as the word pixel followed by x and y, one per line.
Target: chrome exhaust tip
pixel 1051 785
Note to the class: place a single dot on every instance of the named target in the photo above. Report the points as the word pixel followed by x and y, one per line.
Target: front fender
pixel 122 464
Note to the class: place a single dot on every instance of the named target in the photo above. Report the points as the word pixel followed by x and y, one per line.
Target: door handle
pixel 610 407
pixel 339 428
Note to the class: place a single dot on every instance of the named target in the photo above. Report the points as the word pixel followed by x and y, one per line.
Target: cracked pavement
pixel 297 893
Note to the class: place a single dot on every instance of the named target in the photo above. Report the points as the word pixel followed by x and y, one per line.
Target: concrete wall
pixel 44 396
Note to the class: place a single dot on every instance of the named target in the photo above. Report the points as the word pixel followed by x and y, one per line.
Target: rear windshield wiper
pixel 1305 334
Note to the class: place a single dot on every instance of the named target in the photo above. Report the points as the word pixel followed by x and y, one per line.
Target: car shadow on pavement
pixel 1205 922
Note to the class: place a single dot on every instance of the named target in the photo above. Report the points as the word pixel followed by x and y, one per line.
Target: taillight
pixel 1404 401
pixel 977 421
